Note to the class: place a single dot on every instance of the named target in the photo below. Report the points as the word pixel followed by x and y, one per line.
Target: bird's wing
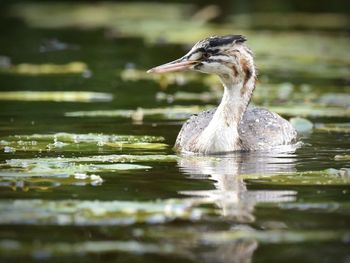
pixel 263 129
pixel 192 128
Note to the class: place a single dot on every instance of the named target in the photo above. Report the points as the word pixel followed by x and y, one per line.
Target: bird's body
pixel 232 126
pixel 259 129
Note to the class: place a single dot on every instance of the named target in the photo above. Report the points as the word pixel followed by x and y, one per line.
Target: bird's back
pixel 259 129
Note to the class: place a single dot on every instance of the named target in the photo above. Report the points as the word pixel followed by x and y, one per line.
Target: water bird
pixel 235 125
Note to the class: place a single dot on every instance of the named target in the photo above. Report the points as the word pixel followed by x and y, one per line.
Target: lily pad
pixel 336 99
pixel 67 96
pixel 342 157
pixel 46 182
pixel 113 158
pixel 334 127
pixel 46 173
pixel 172 113
pixel 272 236
pixel 310 111
pixel 41 174
pixel 324 177
pixel 206 96
pixel 45 69
pixel 79 212
pixel 41 250
pixel 59 169
pixel 71 142
pixel 165 80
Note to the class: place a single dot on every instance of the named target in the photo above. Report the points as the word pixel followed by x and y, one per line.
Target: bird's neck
pixel 221 134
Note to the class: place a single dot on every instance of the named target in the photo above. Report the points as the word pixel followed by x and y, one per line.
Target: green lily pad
pixel 12 247
pixel 71 142
pixel 41 174
pixel 324 177
pixel 45 69
pixel 184 112
pixel 310 111
pixel 113 158
pixel 173 113
pixel 335 99
pixel 47 173
pixel 164 80
pixel 70 96
pixel 272 236
pixel 55 169
pixel 206 96
pixel 342 157
pixel 79 212
pixel 334 127
pixel 46 182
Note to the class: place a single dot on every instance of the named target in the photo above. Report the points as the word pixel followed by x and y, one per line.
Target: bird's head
pixel 226 56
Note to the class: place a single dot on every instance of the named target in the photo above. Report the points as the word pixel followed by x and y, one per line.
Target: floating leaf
pixel 43 174
pixel 335 99
pixel 272 236
pixel 140 145
pixel 342 157
pixel 184 96
pixel 46 250
pixel 113 158
pixel 79 212
pixel 164 81
pixel 184 112
pixel 334 127
pixel 79 142
pixel 47 181
pixel 61 167
pixel 310 111
pixel 176 112
pixel 324 177
pixel 70 96
pixel 127 158
pixel 45 69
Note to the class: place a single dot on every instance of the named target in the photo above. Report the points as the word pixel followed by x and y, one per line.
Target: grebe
pixel 233 125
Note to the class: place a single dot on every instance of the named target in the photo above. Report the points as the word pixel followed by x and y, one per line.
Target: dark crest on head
pixel 224 40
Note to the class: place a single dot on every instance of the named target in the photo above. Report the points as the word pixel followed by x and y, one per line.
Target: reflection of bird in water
pixel 231 193
pixel 236 202
pixel 233 126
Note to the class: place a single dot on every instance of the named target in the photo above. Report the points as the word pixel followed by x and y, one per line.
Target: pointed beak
pixel 176 65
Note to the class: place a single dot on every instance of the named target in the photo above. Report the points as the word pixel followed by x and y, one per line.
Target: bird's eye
pixel 205 55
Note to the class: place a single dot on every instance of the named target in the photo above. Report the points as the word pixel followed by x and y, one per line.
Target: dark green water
pixel 260 207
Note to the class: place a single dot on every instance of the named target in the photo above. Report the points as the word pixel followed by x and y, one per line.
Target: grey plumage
pixel 259 129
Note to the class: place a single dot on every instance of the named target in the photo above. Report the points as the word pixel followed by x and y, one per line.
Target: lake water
pixel 72 188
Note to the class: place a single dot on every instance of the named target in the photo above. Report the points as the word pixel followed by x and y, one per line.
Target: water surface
pixel 72 188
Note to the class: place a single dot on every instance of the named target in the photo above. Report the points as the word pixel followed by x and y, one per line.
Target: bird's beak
pixel 176 65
